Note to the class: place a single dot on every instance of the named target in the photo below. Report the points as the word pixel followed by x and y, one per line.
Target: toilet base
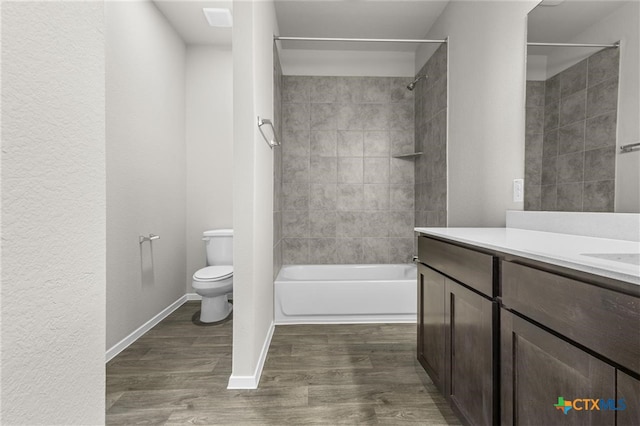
pixel 213 309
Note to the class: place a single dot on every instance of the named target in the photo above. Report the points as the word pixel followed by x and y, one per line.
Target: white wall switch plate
pixel 518 190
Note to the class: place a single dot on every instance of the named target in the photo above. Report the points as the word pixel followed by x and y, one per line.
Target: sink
pixel 630 258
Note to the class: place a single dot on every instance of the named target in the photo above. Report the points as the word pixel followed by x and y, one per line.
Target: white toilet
pixel 215 281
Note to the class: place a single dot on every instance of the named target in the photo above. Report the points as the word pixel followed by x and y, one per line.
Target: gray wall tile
pixel 600 164
pixel 296 116
pixel 376 144
pixel 350 197
pixel 376 170
pixel 295 251
pixel 601 131
pixel 550 143
pixel 324 143
pixel 571 167
pixel 551 115
pixel 573 108
pixel 599 196
pixel 349 250
pixel 322 250
pixel 323 196
pixel 549 170
pixel 376 197
pixel 569 197
pixel 552 90
pixel 295 196
pixel 336 136
pixel 535 94
pixel 548 195
pixel 573 79
pixel 602 98
pixel 571 138
pixel 323 170
pixel 350 170
pixel 295 224
pixel 375 250
pixel 603 65
pixel 532 201
pixel 350 143
pixel 322 223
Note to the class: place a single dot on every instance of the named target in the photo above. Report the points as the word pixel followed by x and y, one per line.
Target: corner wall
pixel 253 29
pixel 485 145
pixel 145 111
pixel 209 148
pixel 53 213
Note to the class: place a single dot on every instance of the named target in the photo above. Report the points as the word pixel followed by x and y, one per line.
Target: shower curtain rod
pixel 371 40
pixel 616 44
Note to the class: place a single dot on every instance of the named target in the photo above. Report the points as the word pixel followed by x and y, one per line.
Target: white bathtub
pixel 345 294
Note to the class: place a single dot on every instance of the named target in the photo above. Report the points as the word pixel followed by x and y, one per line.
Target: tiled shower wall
pixel 277 164
pixel 345 199
pixel 571 137
pixel 431 140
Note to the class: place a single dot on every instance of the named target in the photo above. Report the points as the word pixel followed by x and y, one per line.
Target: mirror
pixel 581 107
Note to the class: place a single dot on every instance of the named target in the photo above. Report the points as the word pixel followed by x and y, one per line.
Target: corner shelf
pixel 408 156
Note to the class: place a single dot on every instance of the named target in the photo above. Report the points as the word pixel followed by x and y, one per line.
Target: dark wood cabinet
pixel 628 389
pixel 504 337
pixel 538 368
pixel 456 341
pixel 431 332
pixel 470 361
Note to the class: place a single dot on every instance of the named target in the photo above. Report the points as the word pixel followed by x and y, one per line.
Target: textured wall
pixel 431 140
pixel 53 213
pixel 485 141
pixel 571 166
pixel 277 164
pixel 345 198
pixel 209 148
pixel 145 79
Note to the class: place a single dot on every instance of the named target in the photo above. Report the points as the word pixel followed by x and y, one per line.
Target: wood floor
pixel 177 373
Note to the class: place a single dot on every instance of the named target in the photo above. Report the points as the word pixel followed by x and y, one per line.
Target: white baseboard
pixel 347 319
pixel 193 296
pixel 251 382
pixel 124 343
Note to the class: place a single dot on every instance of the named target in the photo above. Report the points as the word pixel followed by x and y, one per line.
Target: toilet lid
pixel 214 272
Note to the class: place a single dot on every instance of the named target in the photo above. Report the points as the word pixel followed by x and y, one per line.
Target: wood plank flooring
pixel 177 373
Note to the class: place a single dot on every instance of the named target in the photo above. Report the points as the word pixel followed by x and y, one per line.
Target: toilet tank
pixel 219 246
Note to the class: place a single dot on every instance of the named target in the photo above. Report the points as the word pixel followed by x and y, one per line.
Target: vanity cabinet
pixel 571 338
pixel 431 330
pixel 457 345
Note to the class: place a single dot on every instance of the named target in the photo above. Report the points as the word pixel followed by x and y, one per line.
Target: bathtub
pixel 306 294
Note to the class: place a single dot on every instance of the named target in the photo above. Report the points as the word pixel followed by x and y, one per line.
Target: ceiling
pixel 356 19
pixel 188 20
pixel 562 23
pixel 404 19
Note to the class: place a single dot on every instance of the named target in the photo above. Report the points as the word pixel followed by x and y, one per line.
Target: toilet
pixel 215 281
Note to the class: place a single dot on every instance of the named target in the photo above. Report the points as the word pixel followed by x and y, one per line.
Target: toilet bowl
pixel 215 281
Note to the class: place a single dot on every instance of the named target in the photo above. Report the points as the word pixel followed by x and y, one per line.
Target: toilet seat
pixel 213 273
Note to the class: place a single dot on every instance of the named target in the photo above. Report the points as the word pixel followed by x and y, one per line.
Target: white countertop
pixel 570 251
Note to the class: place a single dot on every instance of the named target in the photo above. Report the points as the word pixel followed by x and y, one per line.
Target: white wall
pixel 253 29
pixel 536 67
pixel 624 25
pixel 209 148
pixel 487 57
pixel 347 63
pixel 146 165
pixel 53 213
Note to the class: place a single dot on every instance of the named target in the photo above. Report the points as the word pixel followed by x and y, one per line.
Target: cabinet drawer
pixel 603 320
pixel 470 267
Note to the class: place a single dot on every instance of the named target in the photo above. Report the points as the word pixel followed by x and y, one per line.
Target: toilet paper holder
pixel 151 237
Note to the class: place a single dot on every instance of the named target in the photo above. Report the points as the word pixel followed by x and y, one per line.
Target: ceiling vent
pixel 218 17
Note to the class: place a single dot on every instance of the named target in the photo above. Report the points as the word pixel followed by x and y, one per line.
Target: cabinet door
pixel 629 390
pixel 431 323
pixel 470 354
pixel 538 368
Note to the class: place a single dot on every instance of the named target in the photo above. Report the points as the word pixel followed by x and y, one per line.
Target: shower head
pixel 412 85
